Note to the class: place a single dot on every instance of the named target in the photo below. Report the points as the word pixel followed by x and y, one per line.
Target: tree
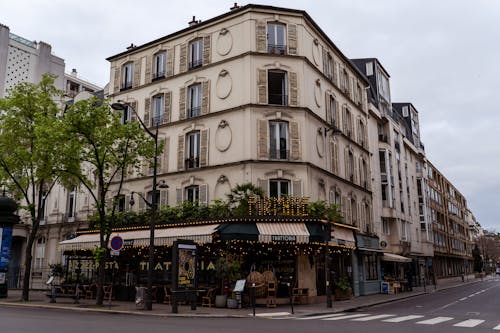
pixel 30 144
pixel 103 150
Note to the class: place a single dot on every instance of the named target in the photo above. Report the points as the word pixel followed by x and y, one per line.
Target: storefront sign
pixel 289 206
pixel 5 245
pixel 283 238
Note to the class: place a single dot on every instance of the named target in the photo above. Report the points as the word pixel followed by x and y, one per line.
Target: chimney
pixel 131 46
pixel 235 6
pixel 193 21
pixel 73 72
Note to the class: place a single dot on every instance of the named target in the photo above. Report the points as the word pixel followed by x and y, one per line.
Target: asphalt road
pixel 474 308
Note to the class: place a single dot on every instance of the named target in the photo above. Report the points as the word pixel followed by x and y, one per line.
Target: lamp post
pixel 153 205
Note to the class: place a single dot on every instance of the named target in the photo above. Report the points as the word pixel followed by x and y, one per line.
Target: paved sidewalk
pixel 38 299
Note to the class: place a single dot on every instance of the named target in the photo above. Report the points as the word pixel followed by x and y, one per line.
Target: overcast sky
pixel 443 56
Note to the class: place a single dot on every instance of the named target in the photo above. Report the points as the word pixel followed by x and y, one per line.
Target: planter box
pixel 343 295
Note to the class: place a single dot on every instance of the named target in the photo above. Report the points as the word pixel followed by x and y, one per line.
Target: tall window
pixel 120 203
pixel 277 88
pixel 127 75
pixel 350 166
pixel 40 253
pixel 192 193
pixel 196 53
pixel 149 196
pixel 370 267
pixel 194 95
pixel 278 136
pixel 71 204
pixel 329 66
pixel 348 123
pixel 386 228
pixel 158 109
pixel 193 150
pixel 126 115
pixel 160 60
pixel 43 208
pixel 279 188
pixel 276 38
pixel 333 111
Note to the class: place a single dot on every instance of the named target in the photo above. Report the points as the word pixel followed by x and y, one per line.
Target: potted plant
pixel 342 287
pixel 233 273
pixel 221 275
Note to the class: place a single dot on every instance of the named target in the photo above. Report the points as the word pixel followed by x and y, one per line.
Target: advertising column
pixel 7 220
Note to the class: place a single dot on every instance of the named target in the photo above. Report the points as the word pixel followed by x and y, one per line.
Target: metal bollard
pixel 253 298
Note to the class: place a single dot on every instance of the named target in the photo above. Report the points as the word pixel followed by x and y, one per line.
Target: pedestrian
pixel 410 280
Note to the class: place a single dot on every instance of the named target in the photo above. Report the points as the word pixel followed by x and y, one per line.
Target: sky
pixel 443 57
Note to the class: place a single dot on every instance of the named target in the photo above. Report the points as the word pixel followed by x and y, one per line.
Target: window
pixel 40 253
pixel 350 166
pixel 192 193
pixel 404 231
pixel 196 53
pixel 277 88
pixel 43 208
pixel 362 133
pixel 276 38
pixel 386 227
pixel 127 75
pixel 158 109
pixel 348 123
pixel 194 95
pixel 126 115
pixel 71 204
pixel 333 112
pixel 149 196
pixel 329 66
pixel 370 264
pixel 159 65
pixel 278 136
pixel 193 150
pixel 278 188
pixel 120 203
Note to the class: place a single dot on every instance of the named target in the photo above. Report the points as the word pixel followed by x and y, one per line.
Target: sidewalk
pixel 38 299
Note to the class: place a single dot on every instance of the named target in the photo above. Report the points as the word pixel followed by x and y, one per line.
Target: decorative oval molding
pixel 320 143
pixel 224 84
pixel 223 136
pixel 317 93
pixel 224 42
pixel 316 52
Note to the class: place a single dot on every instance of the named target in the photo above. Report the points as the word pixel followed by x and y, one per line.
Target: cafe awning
pixel 394 257
pixel 342 237
pixel 283 232
pixel 166 236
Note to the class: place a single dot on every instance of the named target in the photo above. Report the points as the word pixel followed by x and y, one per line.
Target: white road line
pixel 463 299
pixel 271 314
pixel 348 316
pixel 469 323
pixel 434 321
pixel 374 317
pixel 404 318
pixel 321 316
pixel 497 328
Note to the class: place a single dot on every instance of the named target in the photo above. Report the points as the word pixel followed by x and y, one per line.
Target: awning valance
pixel 272 232
pixel 394 257
pixel 342 237
pixel 167 236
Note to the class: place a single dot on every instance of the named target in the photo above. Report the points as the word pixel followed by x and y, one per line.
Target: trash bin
pixel 139 297
pixel 384 288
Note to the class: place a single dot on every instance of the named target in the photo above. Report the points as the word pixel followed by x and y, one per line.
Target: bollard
pixel 253 298
pixel 291 296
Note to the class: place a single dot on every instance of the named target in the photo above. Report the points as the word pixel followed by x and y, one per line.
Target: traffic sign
pixel 116 243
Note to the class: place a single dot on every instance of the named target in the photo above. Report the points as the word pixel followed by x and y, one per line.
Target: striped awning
pixel 163 237
pixel 283 232
pixel 342 237
pixel 395 257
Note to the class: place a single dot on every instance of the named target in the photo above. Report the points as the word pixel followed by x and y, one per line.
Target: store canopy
pixel 167 236
pixel 342 237
pixel 394 257
pixel 283 232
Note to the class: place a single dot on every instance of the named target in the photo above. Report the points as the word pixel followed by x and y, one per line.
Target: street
pixel 472 307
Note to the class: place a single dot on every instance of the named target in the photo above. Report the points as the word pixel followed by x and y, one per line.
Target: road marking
pixel 374 317
pixel 348 316
pixel 271 314
pixel 469 323
pixel 321 316
pixel 497 328
pixel 463 299
pixel 434 321
pixel 404 318
pixel 472 295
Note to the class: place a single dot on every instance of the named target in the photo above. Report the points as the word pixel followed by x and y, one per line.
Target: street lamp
pixel 153 205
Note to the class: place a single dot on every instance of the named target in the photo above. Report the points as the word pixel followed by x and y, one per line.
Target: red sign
pixel 116 243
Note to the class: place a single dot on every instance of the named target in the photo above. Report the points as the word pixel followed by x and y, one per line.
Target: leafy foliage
pixel 239 195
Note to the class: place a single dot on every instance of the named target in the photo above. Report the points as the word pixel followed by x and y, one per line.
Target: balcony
pixel 158 75
pixel 279 49
pixel 278 99
pixel 192 162
pixel 194 111
pixel 195 63
pixel 279 154
pixel 126 85
pixel 157 120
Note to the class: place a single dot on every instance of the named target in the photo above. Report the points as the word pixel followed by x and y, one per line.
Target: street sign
pixel 116 243
pixel 114 253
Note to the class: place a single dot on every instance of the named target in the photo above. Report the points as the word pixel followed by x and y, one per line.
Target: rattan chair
pixel 208 299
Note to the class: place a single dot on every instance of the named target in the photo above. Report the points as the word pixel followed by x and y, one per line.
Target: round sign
pixel 116 243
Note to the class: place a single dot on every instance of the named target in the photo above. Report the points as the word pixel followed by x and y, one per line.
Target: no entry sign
pixel 116 243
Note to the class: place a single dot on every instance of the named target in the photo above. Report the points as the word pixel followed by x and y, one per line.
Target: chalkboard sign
pixel 240 286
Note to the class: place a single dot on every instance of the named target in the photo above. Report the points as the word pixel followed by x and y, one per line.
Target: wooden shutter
pixel 206 50
pixel 335 74
pixel 205 97
pixel 183 62
pixel 167 98
pixel 292 39
pixel 261 35
pixel 133 115
pixel 294 141
pixel 142 203
pixel 182 103
pixel 263 138
pixel 346 163
pixel 355 170
pixel 203 194
pixel 163 198
pixel 325 60
pixel 137 73
pixel 262 86
pixel 297 188
pixel 327 107
pixel 170 62
pixel 293 89
pixel 147 111
pixel 344 119
pixel 166 154
pixel 127 203
pixel 117 79
pixel 149 69
pixel 180 152
pixel 336 157
pixel 204 148
pixel 178 196
pixel 159 158
pixel 263 184
pixel 337 114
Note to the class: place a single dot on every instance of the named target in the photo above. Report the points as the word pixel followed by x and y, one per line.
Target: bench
pixel 64 292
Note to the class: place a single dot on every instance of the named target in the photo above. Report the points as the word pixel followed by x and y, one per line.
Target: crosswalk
pixel 389 318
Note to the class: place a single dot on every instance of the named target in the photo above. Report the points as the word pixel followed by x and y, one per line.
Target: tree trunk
pixel 101 276
pixel 28 256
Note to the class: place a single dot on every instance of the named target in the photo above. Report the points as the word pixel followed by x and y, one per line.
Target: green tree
pixel 105 149
pixel 30 144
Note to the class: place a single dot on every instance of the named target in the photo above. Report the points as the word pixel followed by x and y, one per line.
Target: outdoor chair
pixel 208 299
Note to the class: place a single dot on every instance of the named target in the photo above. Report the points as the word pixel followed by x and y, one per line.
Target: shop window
pixel 196 53
pixel 279 188
pixel 276 37
pixel 278 140
pixel 277 88
pixel 370 264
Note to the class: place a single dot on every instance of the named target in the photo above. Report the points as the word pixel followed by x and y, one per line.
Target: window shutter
pixel 335 74
pixel 336 156
pixel 263 184
pixel 166 153
pixel 327 106
pixel 346 163
pixel 170 62
pixel 355 169
pixel 294 141
pixel 292 39
pixel 325 56
pixel 263 138
pixel 168 107
pixel 147 111
pixel 337 114
pixel 117 79
pixel 203 198
pixel 262 86
pixel 159 158
pixel 344 119
pixel 142 203
pixel 182 103
pixel 127 203
pixel 331 197
pixel 206 50
pixel 180 153
pixel 261 34
pixel 183 58
pixel 163 198
pixel 149 69
pixel 205 99
pixel 178 196
pixel 351 88
pixel 293 89
pixel 204 148
pixel 297 188
pixel 137 73
pixel 133 115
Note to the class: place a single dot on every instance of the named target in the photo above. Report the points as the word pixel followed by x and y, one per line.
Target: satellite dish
pixel 50 280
